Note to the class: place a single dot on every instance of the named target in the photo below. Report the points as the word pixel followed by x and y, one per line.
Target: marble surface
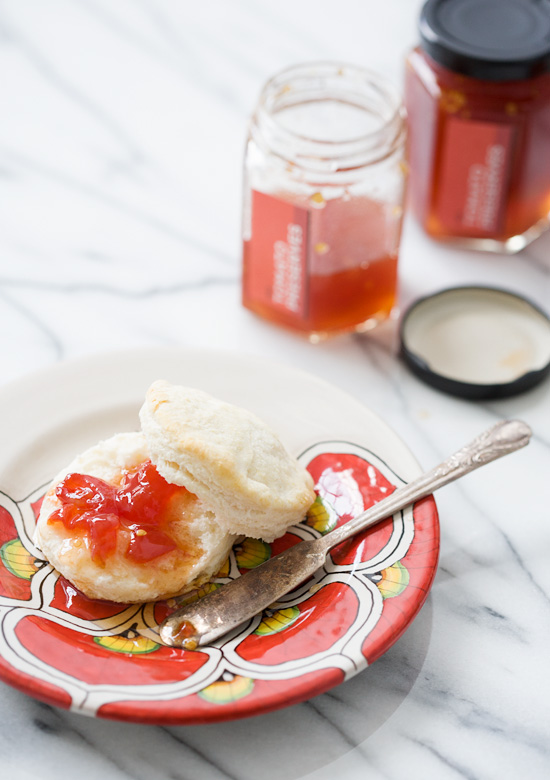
pixel 121 142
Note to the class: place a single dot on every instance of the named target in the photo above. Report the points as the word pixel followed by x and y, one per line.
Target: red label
pixel 276 264
pixel 471 191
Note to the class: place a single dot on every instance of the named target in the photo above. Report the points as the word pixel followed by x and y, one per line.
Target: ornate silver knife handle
pixel 502 438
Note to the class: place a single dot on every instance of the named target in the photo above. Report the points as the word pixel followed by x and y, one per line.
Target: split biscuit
pixel 203 545
pixel 228 457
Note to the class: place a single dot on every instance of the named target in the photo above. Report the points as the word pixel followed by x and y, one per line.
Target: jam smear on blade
pixel 186 636
pixel 140 506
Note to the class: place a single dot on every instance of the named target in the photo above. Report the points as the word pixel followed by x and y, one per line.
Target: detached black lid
pixel 477 342
pixel 496 40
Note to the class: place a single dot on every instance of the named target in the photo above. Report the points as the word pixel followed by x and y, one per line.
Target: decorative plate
pixel 104 659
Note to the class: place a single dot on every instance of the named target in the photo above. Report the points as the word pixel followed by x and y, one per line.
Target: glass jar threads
pixel 477 92
pixel 324 185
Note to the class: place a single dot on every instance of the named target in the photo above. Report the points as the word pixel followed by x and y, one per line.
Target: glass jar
pixel 324 185
pixel 477 93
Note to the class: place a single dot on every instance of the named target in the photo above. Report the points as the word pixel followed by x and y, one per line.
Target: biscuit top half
pixel 228 457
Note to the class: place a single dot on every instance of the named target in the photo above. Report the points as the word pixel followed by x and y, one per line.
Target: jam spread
pixel 140 507
pixel 185 636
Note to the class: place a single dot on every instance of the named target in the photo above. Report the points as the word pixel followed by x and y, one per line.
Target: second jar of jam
pixel 323 200
pixel 477 94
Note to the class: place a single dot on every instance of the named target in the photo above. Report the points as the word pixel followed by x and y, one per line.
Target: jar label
pixel 474 175
pixel 276 256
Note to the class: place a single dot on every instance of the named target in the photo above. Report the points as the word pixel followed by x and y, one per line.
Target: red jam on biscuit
pixel 100 511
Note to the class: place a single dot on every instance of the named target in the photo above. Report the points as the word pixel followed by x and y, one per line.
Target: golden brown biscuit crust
pixel 228 457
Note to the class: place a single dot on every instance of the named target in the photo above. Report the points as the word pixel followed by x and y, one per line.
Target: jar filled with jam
pixel 477 93
pixel 323 200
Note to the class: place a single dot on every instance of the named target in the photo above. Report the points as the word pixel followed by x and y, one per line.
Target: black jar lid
pixel 477 342
pixel 496 40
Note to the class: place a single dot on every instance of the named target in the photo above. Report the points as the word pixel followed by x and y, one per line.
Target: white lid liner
pixel 480 336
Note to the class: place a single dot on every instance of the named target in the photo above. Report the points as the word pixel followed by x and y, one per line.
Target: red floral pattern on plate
pixel 325 617
pixel 109 657
pixel 77 655
pixel 15 573
pixel 69 599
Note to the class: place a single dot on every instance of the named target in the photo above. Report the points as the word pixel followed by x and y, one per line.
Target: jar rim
pixel 358 87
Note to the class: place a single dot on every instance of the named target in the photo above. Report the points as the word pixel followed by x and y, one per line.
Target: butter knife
pixel 209 618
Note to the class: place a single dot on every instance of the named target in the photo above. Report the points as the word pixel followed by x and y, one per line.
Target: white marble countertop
pixel 121 142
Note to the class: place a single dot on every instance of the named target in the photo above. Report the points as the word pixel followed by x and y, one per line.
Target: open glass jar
pixel 323 200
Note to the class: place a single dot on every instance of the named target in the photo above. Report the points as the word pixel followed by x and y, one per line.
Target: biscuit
pixel 203 545
pixel 228 457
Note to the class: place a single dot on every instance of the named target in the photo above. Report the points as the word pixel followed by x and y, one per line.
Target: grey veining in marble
pixel 121 142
